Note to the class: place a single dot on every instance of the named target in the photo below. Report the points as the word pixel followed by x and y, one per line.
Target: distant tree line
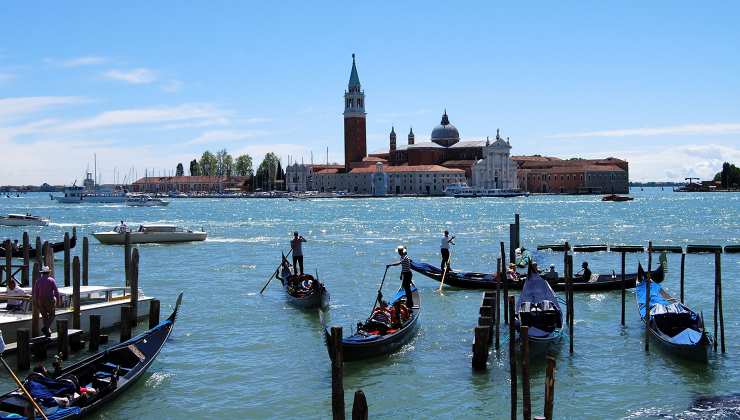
pixel 270 174
pixel 729 176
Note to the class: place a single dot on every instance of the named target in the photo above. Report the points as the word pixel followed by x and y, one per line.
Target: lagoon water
pixel 237 354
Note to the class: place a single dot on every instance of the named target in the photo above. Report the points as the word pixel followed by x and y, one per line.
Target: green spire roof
pixel 354 79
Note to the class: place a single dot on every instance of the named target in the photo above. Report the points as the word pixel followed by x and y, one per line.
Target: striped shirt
pixel 405 264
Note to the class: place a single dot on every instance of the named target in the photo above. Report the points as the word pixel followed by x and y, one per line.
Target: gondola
pixel 109 373
pixel 678 328
pixel 303 291
pixel 538 309
pixel 473 280
pixel 56 247
pixel 380 334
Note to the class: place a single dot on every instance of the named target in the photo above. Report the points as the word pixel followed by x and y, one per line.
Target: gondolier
pixel 445 250
pixel 406 275
pixel 296 244
pixel 585 271
pixel 46 297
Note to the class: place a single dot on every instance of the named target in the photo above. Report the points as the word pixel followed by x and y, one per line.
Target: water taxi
pixel 23 220
pixel 145 201
pixel 151 234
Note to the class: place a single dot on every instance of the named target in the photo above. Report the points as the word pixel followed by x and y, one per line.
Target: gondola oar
pixel 444 274
pixel 377 297
pixel 275 272
pixel 18 381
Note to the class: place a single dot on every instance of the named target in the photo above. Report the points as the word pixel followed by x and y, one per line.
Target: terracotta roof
pixel 535 158
pixel 373 159
pixel 603 168
pixel 318 167
pixel 459 163
pixel 425 145
pixel 328 171
pixel 408 168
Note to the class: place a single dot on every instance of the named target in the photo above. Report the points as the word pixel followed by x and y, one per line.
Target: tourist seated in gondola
pixel 522 257
pixel 62 392
pixel 14 291
pixel 585 272
pixel 406 276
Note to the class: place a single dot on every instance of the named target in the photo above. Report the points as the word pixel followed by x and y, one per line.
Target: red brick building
pixel 186 184
pixel 544 174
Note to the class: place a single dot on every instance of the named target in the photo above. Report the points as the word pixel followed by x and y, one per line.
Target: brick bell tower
pixel 355 135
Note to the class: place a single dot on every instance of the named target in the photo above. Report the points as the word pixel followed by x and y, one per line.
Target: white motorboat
pixel 94 300
pixel 23 220
pixel 151 234
pixel 145 201
pixel 463 190
pixel 90 193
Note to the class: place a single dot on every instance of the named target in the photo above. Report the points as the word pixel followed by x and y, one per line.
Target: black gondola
pixel 380 334
pixel 473 280
pixel 303 291
pixel 538 309
pixel 109 373
pixel 56 247
pixel 678 328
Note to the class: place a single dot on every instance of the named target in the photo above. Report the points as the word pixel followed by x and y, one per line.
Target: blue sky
pixel 151 84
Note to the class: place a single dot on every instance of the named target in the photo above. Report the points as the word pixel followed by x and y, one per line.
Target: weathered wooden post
pixel 512 355
pixel 35 330
pixel 512 242
pixel 683 266
pixel 624 286
pixel 49 258
pixel 39 251
pixel 134 287
pixel 337 376
pixel 517 230
pixel 94 342
pixel 63 338
pixel 127 258
pixel 8 260
pixel 505 280
pixel 125 323
pixel 359 406
pixel 480 348
pixel 498 305
pixel 66 260
pixel 571 299
pixel 647 296
pixel 549 387
pixel 718 288
pixel 153 313
pixel 23 349
pixel 76 293
pixel 526 397
pixel 85 261
pixel 566 248
pixel 26 261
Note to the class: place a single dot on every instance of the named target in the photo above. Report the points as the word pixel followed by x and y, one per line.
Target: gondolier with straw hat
pixel 46 297
pixel 445 249
pixel 406 275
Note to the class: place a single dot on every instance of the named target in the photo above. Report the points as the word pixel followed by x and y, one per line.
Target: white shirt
pixel 445 242
pixel 15 292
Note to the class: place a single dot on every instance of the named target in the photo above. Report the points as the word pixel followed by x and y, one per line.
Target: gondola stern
pixel 173 316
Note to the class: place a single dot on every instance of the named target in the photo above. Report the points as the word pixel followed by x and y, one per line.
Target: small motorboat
pixel 384 331
pixel 303 290
pixel 145 201
pixel 538 309
pixel 109 373
pixel 151 234
pixel 615 197
pixel 23 220
pixel 678 328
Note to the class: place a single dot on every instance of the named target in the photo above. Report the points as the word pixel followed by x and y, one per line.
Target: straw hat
pixel 401 249
pixel 45 269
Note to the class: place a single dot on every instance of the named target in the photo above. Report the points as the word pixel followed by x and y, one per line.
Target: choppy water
pixel 236 354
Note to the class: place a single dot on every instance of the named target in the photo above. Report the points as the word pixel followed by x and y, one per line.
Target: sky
pixel 145 85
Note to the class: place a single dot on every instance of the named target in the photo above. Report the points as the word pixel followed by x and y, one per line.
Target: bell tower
pixel 393 139
pixel 355 133
pixel 411 136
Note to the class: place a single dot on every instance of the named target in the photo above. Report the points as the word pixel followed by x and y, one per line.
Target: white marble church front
pixel 496 170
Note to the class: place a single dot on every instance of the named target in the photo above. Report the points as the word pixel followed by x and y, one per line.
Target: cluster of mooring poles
pixel 30 342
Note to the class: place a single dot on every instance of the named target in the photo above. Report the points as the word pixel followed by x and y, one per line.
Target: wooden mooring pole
pixel 624 286
pixel 127 258
pixel 85 261
pixel 512 242
pixel 337 376
pixel 512 355
pixel 8 260
pixel 67 276
pixel 526 397
pixel 63 338
pixel 571 300
pixel 94 336
pixel 505 280
pixel 25 278
pixel 35 330
pixel 718 294
pixel 549 387
pixel 134 287
pixel 23 349
pixel 647 296
pixel 517 231
pixel 39 251
pixel 359 406
pixel 76 293
pixel 125 323
pixel 497 315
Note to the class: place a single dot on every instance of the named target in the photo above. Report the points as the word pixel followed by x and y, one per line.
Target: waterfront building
pixel 544 174
pixel 187 184
pixel 299 177
pixel 496 170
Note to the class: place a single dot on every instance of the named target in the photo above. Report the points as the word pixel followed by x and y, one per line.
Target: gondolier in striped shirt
pixel 406 275
pixel 445 249
pixel 296 244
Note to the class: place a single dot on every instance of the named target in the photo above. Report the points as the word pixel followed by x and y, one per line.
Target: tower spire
pixel 354 79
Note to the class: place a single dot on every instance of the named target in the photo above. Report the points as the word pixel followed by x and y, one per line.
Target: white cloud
pixel 88 60
pixel 258 151
pixel 19 106
pixel 679 162
pixel 688 129
pixel 139 76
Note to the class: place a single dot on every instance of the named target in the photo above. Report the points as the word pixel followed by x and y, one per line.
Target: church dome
pixel 445 134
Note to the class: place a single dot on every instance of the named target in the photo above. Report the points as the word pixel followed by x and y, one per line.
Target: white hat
pixel 45 269
pixel 401 248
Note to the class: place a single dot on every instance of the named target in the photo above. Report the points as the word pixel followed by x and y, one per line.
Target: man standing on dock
pixel 296 244
pixel 46 297
pixel 445 249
